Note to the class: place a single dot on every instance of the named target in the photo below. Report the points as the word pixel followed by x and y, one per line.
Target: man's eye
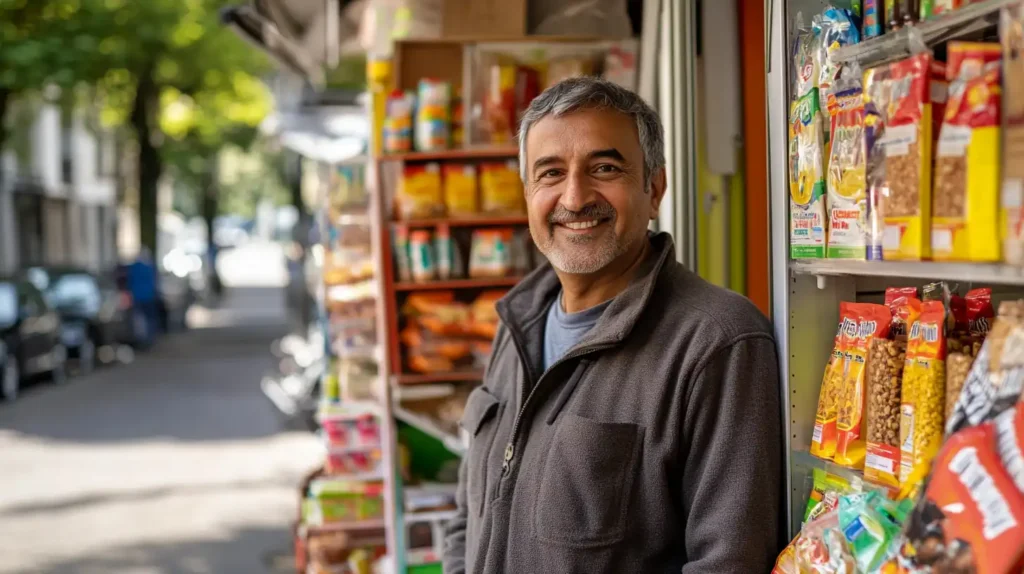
pixel 607 168
pixel 551 173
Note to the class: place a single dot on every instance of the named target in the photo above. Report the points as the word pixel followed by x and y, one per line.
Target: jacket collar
pixel 523 306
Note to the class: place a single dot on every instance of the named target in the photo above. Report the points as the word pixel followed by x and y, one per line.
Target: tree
pixel 178 78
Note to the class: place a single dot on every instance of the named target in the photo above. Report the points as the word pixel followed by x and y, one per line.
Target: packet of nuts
pixel 885 379
pixel 905 203
pixel 923 405
pixel 851 446
pixel 965 202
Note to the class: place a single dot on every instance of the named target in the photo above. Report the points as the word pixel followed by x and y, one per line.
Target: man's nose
pixel 578 193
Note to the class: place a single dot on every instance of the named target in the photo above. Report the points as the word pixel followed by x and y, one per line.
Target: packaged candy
pixel 823 440
pixel 822 548
pixel 868 530
pixel 846 183
pixel 923 400
pixel 967 180
pixel 877 88
pixel 825 492
pixel 971 518
pixel 833 28
pixel 851 448
pixel 905 202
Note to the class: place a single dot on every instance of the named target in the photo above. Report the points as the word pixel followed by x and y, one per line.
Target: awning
pixel 266 35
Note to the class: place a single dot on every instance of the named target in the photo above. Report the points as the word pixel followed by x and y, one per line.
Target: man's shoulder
pixel 714 312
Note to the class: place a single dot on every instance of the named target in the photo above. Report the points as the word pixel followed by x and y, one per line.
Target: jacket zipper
pixel 510 449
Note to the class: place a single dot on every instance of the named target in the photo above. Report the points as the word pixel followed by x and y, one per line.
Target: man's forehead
pixel 583 131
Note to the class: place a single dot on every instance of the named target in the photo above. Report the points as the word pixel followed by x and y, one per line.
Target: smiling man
pixel 629 419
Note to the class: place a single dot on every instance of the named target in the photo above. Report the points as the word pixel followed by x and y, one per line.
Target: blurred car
pixel 93 313
pixel 30 337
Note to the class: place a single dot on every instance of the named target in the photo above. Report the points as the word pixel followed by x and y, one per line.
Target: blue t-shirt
pixel 563 330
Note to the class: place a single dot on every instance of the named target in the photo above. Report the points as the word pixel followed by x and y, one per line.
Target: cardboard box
pixel 483 19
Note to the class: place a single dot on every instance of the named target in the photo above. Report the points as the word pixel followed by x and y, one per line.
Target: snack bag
pixel 996 378
pixel 873 322
pixel 923 400
pixel 825 493
pixel 396 134
pixel 833 28
pixel 876 93
pixel 885 381
pixel 433 115
pixel 501 190
pixel 460 193
pixel 822 548
pixel 807 140
pixel 846 183
pixel 905 203
pixel 971 518
pixel 1009 427
pixel 823 440
pixel 419 192
pixel 896 299
pixel 807 180
pixel 868 529
pixel 966 195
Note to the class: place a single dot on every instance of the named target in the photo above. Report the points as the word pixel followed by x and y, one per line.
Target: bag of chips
pixel 873 322
pixel 823 440
pixel 923 401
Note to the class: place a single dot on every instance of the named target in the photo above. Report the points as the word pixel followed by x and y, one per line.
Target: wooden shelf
pixel 454 376
pixel 482 221
pixel 479 152
pixel 458 284
pixel 368 524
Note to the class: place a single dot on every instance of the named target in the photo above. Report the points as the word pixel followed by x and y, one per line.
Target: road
pixel 172 464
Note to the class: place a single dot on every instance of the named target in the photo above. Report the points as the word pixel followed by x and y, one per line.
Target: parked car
pixel 93 313
pixel 30 337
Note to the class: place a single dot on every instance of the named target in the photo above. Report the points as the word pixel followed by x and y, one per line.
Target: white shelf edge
pixel 882 48
pixel 987 273
pixel 435 516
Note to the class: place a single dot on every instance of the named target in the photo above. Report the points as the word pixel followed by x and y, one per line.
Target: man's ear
pixel 658 184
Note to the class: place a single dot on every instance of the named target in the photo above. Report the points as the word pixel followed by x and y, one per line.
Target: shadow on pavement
pixel 247 551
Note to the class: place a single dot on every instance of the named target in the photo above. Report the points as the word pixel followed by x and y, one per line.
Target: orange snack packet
pixel 851 448
pixel 823 440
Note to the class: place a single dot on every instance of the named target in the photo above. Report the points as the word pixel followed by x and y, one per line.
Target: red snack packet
pixel 971 518
pixel 980 312
pixel 851 446
pixel 894 297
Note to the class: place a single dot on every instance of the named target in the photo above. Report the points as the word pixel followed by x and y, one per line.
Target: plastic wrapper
pixel 833 29
pixel 807 156
pixel 823 439
pixel 821 548
pixel 923 399
pixel 419 193
pixel 501 189
pixel 996 379
pixel 826 489
pixel 885 382
pixel 958 366
pixel 460 189
pixel 971 517
pixel 877 88
pixel 870 524
pixel 966 194
pixel 851 432
pixel 846 182
pixel 905 203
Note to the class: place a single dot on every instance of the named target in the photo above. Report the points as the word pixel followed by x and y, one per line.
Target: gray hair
pixel 586 92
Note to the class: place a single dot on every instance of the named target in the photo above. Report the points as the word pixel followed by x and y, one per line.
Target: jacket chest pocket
pixel 480 419
pixel 587 482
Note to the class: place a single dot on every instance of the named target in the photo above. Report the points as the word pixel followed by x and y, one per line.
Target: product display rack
pixel 807 292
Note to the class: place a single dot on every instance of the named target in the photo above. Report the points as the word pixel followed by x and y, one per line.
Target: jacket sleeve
pixel 733 460
pixel 454 559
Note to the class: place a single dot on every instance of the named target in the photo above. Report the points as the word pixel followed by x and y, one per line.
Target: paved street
pixel 172 464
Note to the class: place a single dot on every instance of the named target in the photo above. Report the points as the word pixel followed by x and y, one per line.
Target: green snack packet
pixel 867 523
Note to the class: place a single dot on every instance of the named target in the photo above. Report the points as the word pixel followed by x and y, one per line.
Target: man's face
pixel 585 189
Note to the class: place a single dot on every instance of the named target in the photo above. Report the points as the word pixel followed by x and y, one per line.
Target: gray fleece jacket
pixel 653 445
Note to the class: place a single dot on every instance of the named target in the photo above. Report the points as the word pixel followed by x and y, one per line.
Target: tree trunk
pixel 210 206
pixel 5 97
pixel 150 164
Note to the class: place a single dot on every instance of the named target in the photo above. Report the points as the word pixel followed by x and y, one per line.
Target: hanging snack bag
pixel 460 193
pixel 996 379
pixel 905 203
pixel 966 195
pixel 806 154
pixel 971 518
pixel 419 192
pixel 851 433
pixel 833 28
pixel 847 194
pixel 897 299
pixel 501 189
pixel 876 93
pixel 825 490
pixel 923 400
pixel 823 441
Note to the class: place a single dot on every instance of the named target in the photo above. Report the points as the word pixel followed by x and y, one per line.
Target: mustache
pixel 592 211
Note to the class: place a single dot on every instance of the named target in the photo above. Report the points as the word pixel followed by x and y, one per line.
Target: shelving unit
pixel 468 153
pixel 481 221
pixel 807 292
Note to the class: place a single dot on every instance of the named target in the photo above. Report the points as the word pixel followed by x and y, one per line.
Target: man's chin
pixel 580 261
